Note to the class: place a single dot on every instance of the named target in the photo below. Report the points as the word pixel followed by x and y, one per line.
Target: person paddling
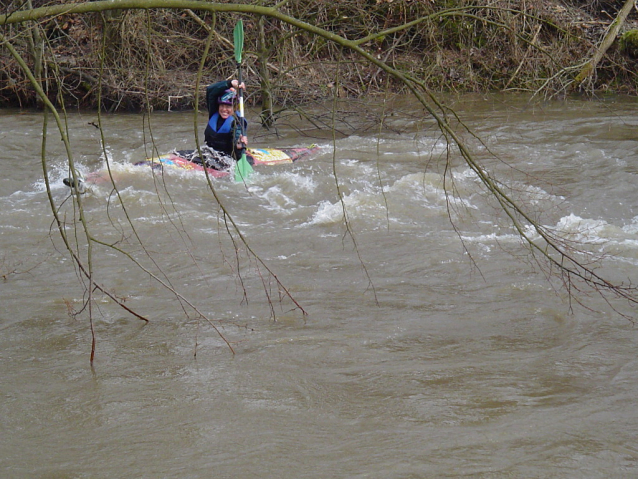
pixel 225 140
pixel 224 133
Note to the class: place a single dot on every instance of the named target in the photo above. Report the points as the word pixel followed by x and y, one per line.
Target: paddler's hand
pixel 243 142
pixel 235 84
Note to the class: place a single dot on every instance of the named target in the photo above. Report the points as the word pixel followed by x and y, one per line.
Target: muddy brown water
pixel 423 364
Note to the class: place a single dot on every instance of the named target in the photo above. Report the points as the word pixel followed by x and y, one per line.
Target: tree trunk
pixel 36 48
pixel 266 87
pixel 112 38
pixel 608 40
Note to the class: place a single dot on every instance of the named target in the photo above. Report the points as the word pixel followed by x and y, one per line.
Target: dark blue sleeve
pixel 238 130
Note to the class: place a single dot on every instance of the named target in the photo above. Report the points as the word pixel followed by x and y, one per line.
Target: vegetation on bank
pixel 141 58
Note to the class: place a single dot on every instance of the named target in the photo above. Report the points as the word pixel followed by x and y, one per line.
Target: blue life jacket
pixel 222 138
pixel 226 127
pixel 220 135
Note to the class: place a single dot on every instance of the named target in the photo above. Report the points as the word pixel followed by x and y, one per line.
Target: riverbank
pixel 133 60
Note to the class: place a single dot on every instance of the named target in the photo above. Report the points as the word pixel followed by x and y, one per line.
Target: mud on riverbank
pixel 134 59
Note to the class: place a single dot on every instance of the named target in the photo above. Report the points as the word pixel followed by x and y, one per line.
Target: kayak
pixel 255 156
pixel 177 160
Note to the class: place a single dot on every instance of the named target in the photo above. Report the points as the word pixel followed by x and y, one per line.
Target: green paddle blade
pixel 243 170
pixel 239 40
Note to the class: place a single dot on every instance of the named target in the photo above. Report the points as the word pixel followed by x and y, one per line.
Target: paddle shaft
pixel 241 101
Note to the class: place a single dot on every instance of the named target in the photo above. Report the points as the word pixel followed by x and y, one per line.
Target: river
pixel 426 350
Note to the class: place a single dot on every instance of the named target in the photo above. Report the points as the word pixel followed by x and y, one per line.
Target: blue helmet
pixel 227 98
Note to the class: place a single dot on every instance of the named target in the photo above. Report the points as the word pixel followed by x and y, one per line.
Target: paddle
pixel 243 169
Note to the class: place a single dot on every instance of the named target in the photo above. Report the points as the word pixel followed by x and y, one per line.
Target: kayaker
pixel 223 132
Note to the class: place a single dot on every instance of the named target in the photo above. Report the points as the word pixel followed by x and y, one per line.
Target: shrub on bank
pixel 130 60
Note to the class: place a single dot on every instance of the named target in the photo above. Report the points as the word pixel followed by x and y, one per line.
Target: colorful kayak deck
pixel 255 156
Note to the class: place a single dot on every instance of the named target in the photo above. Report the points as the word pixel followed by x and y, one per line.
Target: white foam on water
pixel 277 200
pixel 329 213
pixel 493 238
pixel 588 231
pixel 632 228
pixel 597 237
pixel 408 198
